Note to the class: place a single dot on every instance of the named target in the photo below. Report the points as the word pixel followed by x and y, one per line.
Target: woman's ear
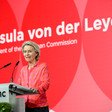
pixel 37 53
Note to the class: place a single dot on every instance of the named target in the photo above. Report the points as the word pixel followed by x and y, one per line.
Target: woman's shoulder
pixel 42 64
pixel 24 67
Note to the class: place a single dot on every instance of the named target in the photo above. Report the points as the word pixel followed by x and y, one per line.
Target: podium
pixel 8 93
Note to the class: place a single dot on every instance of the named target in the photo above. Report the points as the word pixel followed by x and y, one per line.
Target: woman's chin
pixel 28 60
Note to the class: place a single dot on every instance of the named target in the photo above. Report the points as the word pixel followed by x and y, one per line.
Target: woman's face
pixel 29 53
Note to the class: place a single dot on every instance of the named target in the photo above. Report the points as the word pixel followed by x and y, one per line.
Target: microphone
pixel 5 65
pixel 13 71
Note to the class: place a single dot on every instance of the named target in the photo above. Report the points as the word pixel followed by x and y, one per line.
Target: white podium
pixel 8 93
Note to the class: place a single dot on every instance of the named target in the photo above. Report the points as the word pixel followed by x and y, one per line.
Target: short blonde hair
pixel 34 45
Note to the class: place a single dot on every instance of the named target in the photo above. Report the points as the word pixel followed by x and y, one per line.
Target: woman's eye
pixel 24 51
pixel 29 51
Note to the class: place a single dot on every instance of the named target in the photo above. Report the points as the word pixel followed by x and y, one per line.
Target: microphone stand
pixel 13 71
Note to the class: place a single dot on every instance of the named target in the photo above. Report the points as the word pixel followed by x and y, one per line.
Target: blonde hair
pixel 34 45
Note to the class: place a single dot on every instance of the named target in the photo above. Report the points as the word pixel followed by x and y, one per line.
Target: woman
pixel 34 76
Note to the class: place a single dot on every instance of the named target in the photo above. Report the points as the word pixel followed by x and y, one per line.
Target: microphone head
pixel 17 63
pixel 7 65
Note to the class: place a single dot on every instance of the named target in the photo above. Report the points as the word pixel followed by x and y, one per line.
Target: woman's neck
pixel 31 64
